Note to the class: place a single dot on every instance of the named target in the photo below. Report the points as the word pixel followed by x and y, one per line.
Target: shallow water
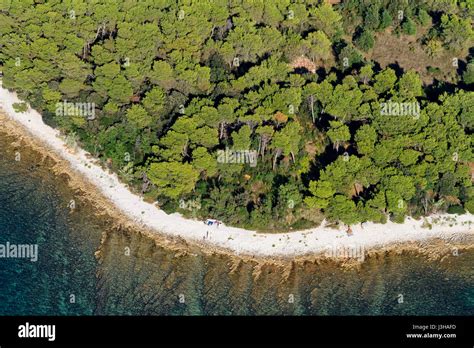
pixel 132 275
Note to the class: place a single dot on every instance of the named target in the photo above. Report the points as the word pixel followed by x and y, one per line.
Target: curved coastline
pixel 148 217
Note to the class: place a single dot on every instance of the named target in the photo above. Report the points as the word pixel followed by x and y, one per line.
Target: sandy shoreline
pixel 449 228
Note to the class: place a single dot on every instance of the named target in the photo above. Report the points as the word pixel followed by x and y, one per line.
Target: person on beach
pixel 349 231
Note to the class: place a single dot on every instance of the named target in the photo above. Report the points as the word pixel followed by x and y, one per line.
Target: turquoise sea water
pixel 68 278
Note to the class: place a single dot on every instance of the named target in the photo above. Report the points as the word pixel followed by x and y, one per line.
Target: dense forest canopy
pixel 265 114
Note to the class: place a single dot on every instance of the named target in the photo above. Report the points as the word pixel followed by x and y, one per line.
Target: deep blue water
pixel 154 280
